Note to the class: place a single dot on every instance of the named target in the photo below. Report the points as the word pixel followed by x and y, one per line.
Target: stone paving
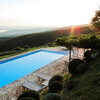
pixel 13 90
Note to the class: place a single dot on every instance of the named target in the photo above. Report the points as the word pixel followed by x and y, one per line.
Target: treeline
pixel 39 39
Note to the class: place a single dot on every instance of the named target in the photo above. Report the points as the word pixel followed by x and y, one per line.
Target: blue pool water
pixel 15 68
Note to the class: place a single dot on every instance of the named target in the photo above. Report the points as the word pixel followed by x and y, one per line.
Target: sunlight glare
pixel 48 13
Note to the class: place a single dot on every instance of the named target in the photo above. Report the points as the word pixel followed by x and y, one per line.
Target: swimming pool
pixel 15 68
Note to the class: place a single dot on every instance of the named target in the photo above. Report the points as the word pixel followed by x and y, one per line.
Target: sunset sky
pixel 49 13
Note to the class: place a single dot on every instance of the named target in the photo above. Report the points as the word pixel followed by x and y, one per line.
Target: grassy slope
pixel 87 86
pixel 20 52
pixel 24 51
pixel 33 40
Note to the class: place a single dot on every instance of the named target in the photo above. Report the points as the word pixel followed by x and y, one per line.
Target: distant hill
pixel 34 40
pixel 24 31
pixel 10 34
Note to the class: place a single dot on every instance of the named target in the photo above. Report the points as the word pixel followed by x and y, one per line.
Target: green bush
pixel 55 87
pixel 31 93
pixel 56 78
pixel 52 96
pixel 18 49
pixel 27 98
pixel 73 66
pixel 82 68
pixel 87 53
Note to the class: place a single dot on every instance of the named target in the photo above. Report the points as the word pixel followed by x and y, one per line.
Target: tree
pixel 93 41
pixel 83 41
pixel 68 42
pixel 96 20
pixel 71 42
pixel 89 41
pixel 86 41
pixel 64 41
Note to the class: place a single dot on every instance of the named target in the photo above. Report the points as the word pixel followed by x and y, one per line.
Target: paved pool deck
pixel 14 89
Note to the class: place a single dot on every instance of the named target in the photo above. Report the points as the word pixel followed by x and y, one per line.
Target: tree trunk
pixel 69 62
pixel 69 55
pixel 69 59
pixel 77 53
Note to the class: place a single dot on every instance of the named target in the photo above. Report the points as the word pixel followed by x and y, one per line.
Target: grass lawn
pixel 20 52
pixel 86 86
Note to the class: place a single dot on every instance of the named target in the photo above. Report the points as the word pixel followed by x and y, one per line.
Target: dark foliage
pixel 18 49
pixel 8 52
pixel 56 78
pixel 27 98
pixel 32 94
pixel 52 96
pixel 26 47
pixel 55 87
pixel 88 59
pixel 73 66
pixel 82 68
pixel 96 19
pixel 70 85
pixel 87 53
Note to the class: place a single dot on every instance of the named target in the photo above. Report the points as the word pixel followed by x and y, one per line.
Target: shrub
pixel 56 78
pixel 50 44
pixel 55 87
pixel 82 68
pixel 73 66
pixel 18 49
pixel 26 47
pixel 52 96
pixel 32 94
pixel 88 59
pixel 7 53
pixel 87 53
pixel 27 98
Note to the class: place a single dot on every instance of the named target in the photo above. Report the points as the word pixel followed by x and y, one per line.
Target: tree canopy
pixel 81 41
pixel 96 20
